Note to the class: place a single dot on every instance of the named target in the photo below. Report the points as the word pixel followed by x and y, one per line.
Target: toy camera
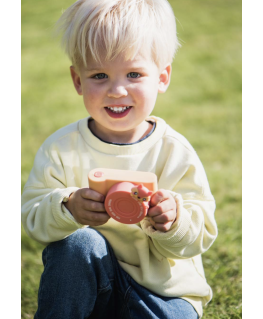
pixel 127 192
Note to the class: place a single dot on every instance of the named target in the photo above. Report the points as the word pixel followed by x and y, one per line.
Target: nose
pixel 117 90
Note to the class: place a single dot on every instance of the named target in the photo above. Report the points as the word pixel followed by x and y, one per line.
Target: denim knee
pixel 86 242
pixel 83 245
pixel 84 254
pixel 76 270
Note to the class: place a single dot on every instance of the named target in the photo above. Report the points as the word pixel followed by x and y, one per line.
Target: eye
pixel 144 199
pixel 135 193
pixel 100 76
pixel 133 75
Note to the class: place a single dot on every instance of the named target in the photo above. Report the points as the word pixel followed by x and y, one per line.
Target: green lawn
pixel 203 103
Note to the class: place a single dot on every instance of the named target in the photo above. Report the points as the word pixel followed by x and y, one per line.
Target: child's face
pixel 120 94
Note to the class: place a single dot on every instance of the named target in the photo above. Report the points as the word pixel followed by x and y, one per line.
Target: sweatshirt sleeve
pixel 195 227
pixel 43 216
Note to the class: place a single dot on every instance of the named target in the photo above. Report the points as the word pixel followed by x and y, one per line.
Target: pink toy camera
pixel 127 192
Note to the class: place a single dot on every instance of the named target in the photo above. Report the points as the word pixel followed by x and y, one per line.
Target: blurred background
pixel 203 103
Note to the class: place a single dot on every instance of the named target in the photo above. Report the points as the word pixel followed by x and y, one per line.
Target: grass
pixel 203 103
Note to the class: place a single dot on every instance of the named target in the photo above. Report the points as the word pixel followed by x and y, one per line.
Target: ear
pixel 164 79
pixel 76 79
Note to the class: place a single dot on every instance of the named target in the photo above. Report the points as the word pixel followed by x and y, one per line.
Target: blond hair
pixel 106 28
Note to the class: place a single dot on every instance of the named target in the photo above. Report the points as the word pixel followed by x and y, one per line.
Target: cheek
pixel 147 92
pixel 92 93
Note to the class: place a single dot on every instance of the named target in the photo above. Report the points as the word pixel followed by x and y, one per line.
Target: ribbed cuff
pixel 178 229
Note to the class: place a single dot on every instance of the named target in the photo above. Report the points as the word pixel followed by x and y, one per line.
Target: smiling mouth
pixel 118 109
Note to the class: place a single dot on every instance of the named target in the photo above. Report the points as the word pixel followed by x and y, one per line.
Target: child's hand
pixel 162 211
pixel 87 207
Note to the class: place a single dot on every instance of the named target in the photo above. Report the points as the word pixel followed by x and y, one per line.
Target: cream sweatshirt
pixel 166 263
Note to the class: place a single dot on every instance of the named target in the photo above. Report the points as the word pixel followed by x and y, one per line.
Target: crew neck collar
pixel 129 149
pixel 122 144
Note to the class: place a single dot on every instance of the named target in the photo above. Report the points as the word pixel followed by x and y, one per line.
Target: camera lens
pixel 122 206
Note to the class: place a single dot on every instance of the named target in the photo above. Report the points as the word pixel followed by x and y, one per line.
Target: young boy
pixel 95 267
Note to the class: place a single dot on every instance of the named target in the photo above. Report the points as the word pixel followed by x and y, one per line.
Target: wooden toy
pixel 127 193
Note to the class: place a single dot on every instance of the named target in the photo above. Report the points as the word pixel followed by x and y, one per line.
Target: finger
pixel 159 196
pixel 163 227
pixel 152 222
pixel 91 205
pixel 88 193
pixel 160 226
pixel 92 218
pixel 164 218
pixel 161 208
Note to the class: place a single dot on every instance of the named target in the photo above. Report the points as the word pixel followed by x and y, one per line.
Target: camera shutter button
pixel 98 174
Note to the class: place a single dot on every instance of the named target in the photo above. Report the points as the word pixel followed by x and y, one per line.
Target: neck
pixel 123 137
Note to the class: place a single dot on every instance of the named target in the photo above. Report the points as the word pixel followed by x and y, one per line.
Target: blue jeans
pixel 83 279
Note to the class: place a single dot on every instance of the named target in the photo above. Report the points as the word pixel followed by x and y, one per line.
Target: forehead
pixel 120 61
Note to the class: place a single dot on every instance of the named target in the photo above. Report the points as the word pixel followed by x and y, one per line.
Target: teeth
pixel 120 109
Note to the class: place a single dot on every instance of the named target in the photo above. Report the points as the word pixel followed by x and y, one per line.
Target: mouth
pixel 118 111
